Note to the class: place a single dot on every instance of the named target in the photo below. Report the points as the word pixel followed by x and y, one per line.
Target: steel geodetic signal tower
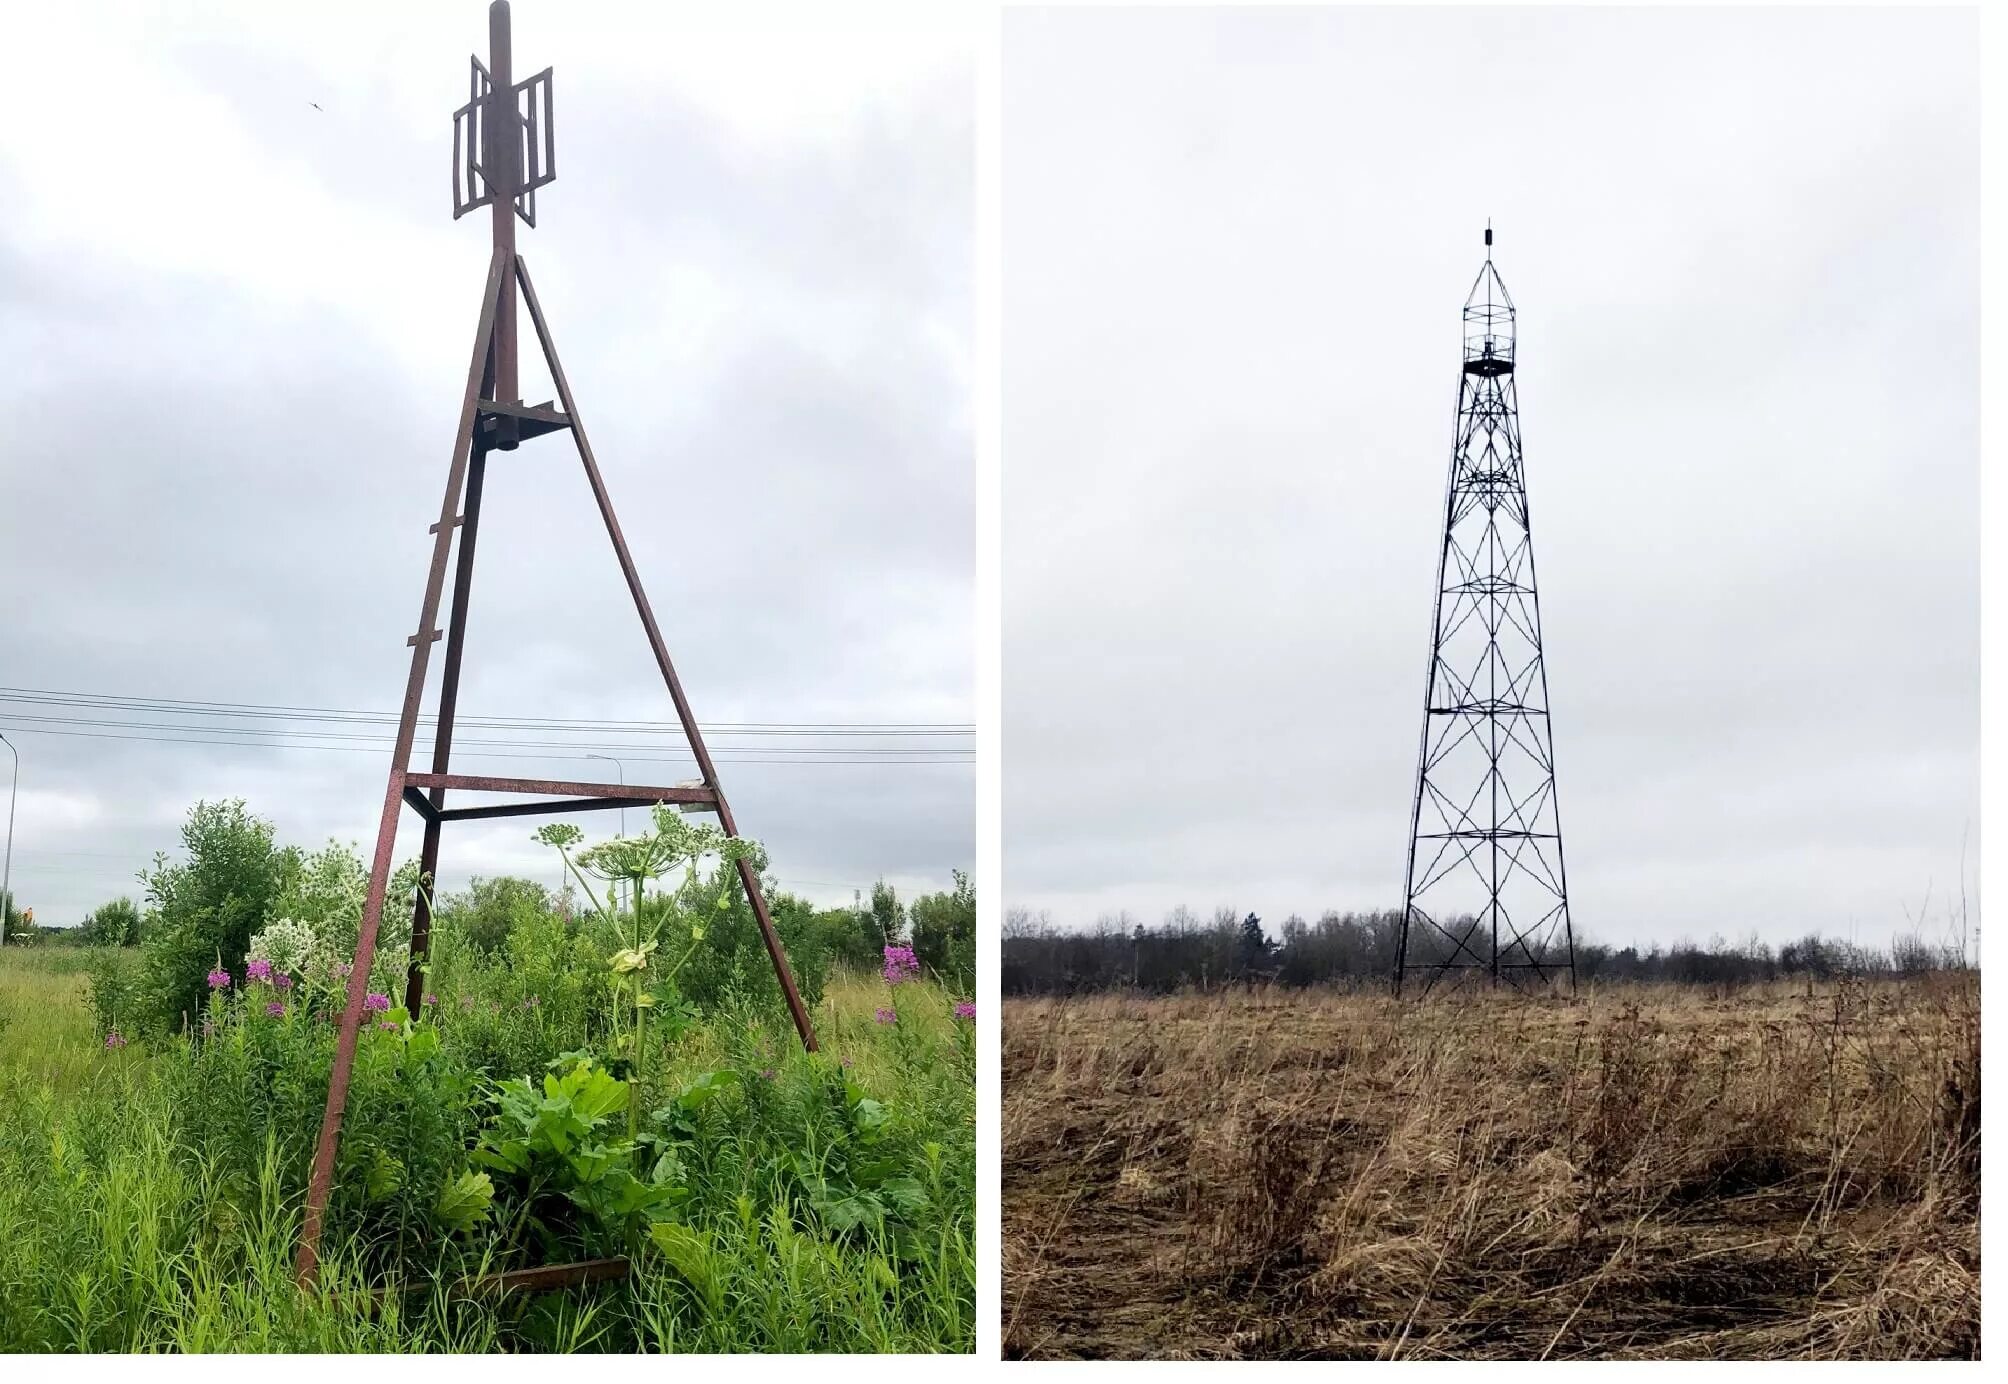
pixel 503 151
pixel 1486 891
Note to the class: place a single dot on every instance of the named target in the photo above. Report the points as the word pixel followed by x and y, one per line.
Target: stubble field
pixel 1648 1172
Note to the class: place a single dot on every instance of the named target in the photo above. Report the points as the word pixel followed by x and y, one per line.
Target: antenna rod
pixel 499 163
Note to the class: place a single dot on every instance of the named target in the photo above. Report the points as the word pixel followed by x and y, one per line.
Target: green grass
pixel 116 1234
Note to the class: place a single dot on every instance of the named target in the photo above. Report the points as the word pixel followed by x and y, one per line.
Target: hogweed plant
pixel 637 862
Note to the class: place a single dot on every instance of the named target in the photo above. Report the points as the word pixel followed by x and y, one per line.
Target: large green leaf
pixel 904 1194
pixel 599 1096
pixel 464 1201
pixel 842 1213
pixel 422 1044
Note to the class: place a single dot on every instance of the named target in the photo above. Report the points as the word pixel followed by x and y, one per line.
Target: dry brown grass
pixel 1657 1173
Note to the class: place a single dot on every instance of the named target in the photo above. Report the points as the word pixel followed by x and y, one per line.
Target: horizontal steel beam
pixel 544 805
pixel 631 792
pixel 544 1280
pixel 564 797
pixel 548 1278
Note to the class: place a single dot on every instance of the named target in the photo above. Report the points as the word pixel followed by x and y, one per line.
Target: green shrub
pixel 732 964
pixel 490 909
pixel 204 909
pixel 115 924
pixel 944 933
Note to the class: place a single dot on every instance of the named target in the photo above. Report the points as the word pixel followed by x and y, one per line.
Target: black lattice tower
pixel 1486 893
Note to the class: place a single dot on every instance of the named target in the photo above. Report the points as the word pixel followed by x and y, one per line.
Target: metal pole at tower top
pixel 504 178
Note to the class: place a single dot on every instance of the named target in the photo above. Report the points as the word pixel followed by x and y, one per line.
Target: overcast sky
pixel 234 330
pixel 1744 247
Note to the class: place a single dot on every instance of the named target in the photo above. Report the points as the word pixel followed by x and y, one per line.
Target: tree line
pixel 1358 950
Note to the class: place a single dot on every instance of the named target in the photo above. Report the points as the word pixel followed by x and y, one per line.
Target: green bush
pixel 508 1012
pixel 490 909
pixel 731 964
pixel 115 924
pixel 204 909
pixel 944 933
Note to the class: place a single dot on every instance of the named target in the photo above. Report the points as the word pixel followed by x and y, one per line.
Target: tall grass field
pixel 1656 1172
pixel 773 1200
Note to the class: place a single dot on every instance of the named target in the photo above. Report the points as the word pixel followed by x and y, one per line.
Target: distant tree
pixel 115 924
pixel 1254 945
pixel 888 918
pixel 205 908
pixel 490 909
pixel 944 932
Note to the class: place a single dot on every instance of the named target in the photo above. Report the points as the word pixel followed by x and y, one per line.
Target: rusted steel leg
pixel 345 1045
pixel 747 878
pixel 442 743
pixel 421 920
pixel 322 1180
pixel 782 971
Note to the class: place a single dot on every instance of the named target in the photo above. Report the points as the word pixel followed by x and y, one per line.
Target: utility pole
pixel 7 872
pixel 1485 835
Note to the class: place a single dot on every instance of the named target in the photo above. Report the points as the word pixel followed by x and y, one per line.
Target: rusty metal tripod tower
pixel 1485 835
pixel 502 153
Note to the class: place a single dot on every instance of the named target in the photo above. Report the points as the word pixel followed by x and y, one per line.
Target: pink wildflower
pixel 115 1039
pixel 966 1010
pixel 376 1001
pixel 258 970
pixel 900 964
pixel 276 1008
pixel 219 979
pixel 886 1016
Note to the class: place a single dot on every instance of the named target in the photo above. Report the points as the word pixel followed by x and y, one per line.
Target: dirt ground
pixel 1654 1172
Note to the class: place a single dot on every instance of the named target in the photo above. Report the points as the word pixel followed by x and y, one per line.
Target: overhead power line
pixel 177 706
pixel 259 725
